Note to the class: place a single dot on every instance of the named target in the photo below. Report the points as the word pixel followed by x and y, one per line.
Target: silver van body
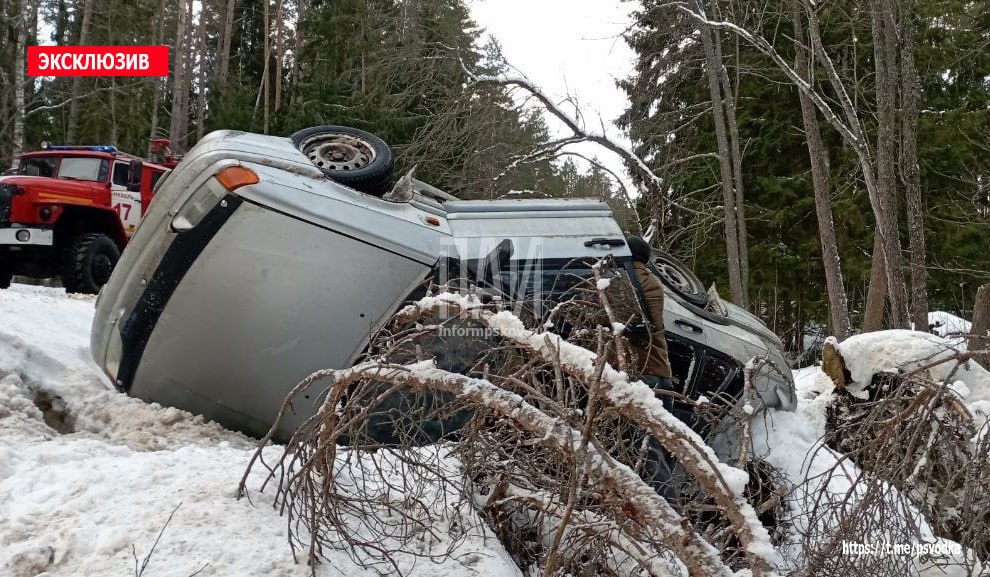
pixel 225 300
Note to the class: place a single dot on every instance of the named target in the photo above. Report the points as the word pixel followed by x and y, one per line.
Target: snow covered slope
pixel 87 474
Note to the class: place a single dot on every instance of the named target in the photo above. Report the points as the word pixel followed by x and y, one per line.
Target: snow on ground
pixel 87 473
pixel 792 441
pixel 946 324
pixel 904 350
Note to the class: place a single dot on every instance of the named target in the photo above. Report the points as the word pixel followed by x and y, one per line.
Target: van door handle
pixel 605 242
pixel 689 326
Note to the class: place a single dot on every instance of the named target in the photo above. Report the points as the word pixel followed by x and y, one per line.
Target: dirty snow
pixel 87 474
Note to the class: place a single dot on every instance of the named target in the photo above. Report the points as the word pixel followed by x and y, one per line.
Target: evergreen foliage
pixel 392 67
pixel 669 119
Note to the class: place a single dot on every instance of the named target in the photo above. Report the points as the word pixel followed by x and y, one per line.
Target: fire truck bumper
pixel 26 237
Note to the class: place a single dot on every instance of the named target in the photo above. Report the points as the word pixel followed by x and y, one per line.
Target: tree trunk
pixel 739 200
pixel 876 297
pixel 296 73
pixel 180 87
pixel 268 55
pixel 28 14
pixel 981 325
pixel 879 170
pixel 910 173
pixel 73 122
pixel 279 53
pixel 113 110
pixel 712 64
pixel 187 77
pixel 201 78
pixel 157 36
pixel 223 51
pixel 885 57
pixel 838 304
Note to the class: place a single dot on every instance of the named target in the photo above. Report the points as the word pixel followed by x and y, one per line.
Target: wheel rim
pixel 675 277
pixel 102 267
pixel 339 152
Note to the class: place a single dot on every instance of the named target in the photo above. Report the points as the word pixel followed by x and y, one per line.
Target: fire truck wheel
pixel 88 261
pixel 5 276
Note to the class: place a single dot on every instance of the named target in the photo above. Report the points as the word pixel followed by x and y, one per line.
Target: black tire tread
pixel 698 297
pixel 73 265
pixel 373 179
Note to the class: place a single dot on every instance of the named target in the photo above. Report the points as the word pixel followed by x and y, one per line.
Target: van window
pixel 715 374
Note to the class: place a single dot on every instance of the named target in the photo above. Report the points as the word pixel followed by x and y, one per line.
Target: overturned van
pixel 263 259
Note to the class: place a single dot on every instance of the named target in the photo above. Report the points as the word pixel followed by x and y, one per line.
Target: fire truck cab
pixel 68 212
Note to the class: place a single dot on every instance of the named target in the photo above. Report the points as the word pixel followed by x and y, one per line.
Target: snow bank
pixel 946 324
pixel 792 442
pixel 87 473
pixel 904 350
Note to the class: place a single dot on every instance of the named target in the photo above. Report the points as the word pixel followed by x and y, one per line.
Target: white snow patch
pixel 792 441
pixel 945 324
pixel 903 350
pixel 74 503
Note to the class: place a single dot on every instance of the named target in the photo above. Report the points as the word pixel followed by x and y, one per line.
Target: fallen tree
pixel 539 428
pixel 554 407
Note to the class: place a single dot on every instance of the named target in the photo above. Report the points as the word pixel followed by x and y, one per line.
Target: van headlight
pixel 203 200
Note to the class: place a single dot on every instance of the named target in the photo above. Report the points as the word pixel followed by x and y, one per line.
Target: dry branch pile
pixel 578 470
pixel 915 466
pixel 916 434
pixel 465 413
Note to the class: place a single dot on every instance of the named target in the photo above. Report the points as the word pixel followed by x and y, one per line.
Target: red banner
pixel 97 60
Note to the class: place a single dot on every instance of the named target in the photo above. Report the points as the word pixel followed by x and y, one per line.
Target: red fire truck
pixel 68 211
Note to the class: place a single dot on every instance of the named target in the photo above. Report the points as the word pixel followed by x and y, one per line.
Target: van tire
pixel 88 261
pixel 679 278
pixel 352 157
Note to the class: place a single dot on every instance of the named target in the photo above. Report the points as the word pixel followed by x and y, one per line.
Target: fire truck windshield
pixel 38 166
pixel 81 168
pixel 68 167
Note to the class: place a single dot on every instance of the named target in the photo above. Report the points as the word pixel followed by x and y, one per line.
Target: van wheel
pixel 679 278
pixel 88 261
pixel 352 157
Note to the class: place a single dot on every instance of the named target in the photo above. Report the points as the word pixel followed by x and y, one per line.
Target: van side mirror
pixel 134 177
